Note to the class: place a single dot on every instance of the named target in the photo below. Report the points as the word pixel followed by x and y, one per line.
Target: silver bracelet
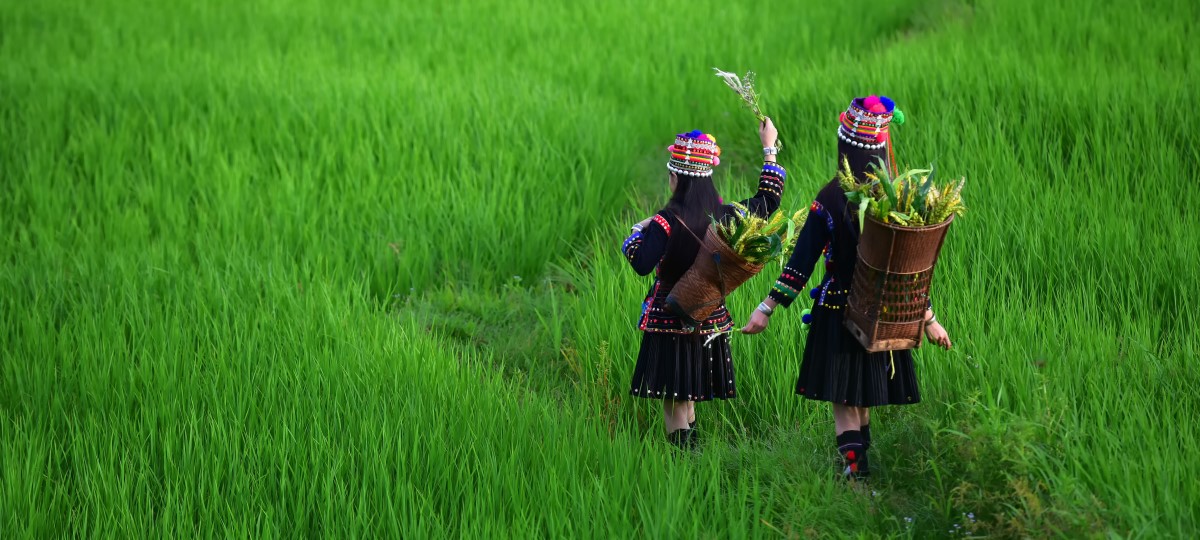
pixel 765 309
pixel 770 151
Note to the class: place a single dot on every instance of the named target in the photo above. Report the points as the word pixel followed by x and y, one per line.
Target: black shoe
pixel 850 446
pixel 684 439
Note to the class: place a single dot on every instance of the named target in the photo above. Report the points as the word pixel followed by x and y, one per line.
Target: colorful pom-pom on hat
pixel 694 153
pixel 866 122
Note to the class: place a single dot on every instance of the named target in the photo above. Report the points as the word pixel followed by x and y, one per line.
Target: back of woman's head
pixel 692 159
pixel 694 201
pixel 861 160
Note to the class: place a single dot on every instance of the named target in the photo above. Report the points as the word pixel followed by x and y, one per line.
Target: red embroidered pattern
pixel 662 222
pixel 657 318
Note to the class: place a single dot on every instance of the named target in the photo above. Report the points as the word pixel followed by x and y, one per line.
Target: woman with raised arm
pixel 681 364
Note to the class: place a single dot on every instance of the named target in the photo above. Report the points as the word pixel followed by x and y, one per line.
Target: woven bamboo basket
pixel 892 276
pixel 715 273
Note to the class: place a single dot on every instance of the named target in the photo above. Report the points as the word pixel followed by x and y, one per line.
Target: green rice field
pixel 351 269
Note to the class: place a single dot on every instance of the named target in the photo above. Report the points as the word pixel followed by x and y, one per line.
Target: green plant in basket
pixel 759 240
pixel 911 199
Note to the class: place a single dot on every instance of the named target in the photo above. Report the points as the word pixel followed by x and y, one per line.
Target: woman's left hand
pixel 937 334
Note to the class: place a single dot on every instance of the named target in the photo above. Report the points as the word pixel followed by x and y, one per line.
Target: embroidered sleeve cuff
pixel 783 295
pixel 787 288
pixel 775 169
pixel 772 179
pixel 631 245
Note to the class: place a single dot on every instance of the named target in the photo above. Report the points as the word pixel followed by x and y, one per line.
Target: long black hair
pixel 862 160
pixel 694 202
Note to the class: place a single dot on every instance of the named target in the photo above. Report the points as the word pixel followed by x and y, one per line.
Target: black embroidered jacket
pixel 664 247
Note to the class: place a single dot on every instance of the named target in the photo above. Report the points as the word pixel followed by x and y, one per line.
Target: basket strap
pixel 720 278
pixel 688 229
pixel 720 275
pixel 716 302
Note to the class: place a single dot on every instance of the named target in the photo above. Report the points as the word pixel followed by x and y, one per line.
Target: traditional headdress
pixel 865 124
pixel 694 153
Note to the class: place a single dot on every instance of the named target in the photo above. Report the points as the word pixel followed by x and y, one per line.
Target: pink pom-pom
pixel 716 161
pixel 882 137
pixel 842 117
pixel 874 104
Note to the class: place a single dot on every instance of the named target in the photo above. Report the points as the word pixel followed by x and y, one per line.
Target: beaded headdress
pixel 865 124
pixel 694 153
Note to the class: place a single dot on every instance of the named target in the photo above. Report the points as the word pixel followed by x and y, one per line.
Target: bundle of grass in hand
pixel 756 239
pixel 744 87
pixel 911 199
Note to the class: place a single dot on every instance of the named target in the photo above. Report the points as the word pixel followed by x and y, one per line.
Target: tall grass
pixel 294 268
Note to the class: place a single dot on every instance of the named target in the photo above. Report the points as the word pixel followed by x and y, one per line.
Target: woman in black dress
pixel 681 364
pixel 835 367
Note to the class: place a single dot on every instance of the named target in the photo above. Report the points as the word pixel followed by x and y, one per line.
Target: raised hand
pixel 767 132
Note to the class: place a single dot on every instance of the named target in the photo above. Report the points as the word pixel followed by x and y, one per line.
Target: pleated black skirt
pixel 837 369
pixel 682 367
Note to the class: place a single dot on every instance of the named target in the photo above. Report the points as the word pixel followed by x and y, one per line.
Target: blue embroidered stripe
pixel 631 245
pixel 771 167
